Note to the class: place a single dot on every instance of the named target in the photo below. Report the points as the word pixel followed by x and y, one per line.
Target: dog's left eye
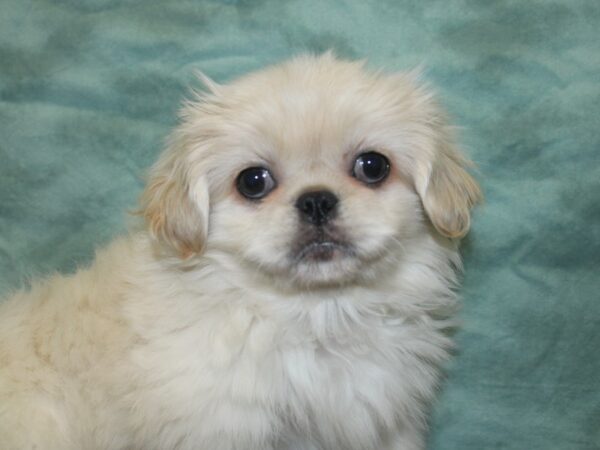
pixel 371 167
pixel 255 182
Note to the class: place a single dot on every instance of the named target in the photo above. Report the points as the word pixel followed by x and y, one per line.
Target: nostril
pixel 308 206
pixel 318 206
pixel 327 201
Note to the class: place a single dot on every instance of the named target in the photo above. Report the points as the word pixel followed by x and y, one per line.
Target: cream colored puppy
pixel 293 289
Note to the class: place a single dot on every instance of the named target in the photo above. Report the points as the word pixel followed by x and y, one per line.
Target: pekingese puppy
pixel 293 287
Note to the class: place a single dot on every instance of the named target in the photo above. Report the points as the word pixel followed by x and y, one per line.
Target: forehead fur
pixel 309 109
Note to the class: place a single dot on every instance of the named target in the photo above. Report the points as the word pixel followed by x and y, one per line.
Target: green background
pixel 90 89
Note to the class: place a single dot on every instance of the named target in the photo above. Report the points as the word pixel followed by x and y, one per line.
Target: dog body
pixel 293 290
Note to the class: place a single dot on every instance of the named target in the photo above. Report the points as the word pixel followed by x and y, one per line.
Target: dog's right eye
pixel 255 183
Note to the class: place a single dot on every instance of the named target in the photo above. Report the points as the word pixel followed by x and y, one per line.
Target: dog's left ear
pixel 175 203
pixel 447 190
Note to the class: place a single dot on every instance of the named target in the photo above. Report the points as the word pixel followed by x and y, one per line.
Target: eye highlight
pixel 255 183
pixel 371 167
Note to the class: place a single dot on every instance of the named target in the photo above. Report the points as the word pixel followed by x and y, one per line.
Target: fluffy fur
pixel 202 332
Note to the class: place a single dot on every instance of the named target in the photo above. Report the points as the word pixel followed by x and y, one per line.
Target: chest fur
pixel 336 377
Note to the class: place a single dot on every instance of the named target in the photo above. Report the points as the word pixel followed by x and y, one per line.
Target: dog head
pixel 313 171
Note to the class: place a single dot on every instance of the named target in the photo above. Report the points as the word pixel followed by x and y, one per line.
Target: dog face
pixel 315 171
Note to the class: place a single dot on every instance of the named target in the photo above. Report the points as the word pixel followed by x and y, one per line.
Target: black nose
pixel 317 207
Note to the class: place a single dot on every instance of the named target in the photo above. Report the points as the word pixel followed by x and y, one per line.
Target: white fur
pixel 202 333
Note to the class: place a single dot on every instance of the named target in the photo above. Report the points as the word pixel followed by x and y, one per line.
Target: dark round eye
pixel 371 167
pixel 255 182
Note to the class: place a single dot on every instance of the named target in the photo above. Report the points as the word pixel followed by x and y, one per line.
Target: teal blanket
pixel 90 88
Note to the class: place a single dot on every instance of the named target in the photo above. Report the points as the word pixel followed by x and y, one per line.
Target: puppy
pixel 293 287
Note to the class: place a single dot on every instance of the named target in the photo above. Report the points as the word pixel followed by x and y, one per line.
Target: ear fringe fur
pixel 175 216
pixel 450 195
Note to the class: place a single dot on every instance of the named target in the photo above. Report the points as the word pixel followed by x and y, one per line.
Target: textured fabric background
pixel 90 88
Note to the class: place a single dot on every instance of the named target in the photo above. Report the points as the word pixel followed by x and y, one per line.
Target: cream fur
pixel 202 332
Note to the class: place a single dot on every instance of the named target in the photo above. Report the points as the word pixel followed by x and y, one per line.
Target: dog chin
pixel 325 265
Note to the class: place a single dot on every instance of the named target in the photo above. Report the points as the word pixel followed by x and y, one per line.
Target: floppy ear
pixel 447 190
pixel 175 204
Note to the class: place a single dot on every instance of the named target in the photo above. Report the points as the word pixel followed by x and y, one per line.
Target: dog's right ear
pixel 175 203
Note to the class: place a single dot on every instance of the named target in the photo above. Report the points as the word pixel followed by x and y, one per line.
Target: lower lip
pixel 320 251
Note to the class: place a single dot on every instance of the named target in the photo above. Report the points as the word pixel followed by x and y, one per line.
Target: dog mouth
pixel 321 246
pixel 321 251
